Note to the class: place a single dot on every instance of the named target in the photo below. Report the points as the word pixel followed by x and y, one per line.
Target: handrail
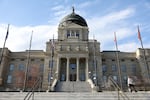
pixel 119 89
pixel 31 92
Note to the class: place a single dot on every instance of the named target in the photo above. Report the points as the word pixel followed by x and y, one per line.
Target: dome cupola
pixel 74 18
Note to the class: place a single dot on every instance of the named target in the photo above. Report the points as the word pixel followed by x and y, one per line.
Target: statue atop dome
pixel 73 10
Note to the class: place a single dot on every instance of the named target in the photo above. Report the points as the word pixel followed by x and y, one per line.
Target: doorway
pixel 73 69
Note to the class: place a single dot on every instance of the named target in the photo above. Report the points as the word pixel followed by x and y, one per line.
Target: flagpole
pixel 144 54
pixel 2 52
pixel 52 58
pixel 95 62
pixel 27 64
pixel 51 64
pixel 118 62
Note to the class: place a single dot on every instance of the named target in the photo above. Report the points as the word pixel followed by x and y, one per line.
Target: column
pixel 57 70
pixel 67 74
pixel 87 69
pixel 77 69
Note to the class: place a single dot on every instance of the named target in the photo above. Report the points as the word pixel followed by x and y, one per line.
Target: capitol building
pixel 72 63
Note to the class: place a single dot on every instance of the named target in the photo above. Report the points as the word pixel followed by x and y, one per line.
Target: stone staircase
pixel 141 95
pixel 73 87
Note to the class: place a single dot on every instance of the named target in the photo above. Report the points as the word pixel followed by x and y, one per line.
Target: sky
pixel 104 17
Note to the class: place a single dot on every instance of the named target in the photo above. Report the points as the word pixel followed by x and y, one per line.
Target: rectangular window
pixel 32 59
pixel 21 59
pixel 11 67
pixel 104 68
pixel 68 35
pixel 122 60
pixel 72 33
pixel 77 33
pixel 68 32
pixel 41 67
pixel 21 67
pixel 9 79
pixel 133 68
pixel 113 60
pixel 42 59
pixel 104 78
pixel 12 59
pixel 125 79
pixel 123 68
pixel 114 68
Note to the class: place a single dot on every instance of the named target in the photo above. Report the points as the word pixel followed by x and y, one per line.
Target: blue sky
pixel 104 17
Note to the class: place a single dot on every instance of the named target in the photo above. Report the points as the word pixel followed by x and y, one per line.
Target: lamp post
pixel 89 75
pixel 50 84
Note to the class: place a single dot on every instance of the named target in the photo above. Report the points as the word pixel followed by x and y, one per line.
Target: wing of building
pixel 73 62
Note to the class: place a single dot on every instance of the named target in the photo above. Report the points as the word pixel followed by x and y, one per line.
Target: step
pixel 141 95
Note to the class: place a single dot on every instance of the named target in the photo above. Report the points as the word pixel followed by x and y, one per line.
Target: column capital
pixel 77 57
pixel 68 57
pixel 58 57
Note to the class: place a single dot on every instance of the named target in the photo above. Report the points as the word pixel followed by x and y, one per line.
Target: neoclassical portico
pixel 72 68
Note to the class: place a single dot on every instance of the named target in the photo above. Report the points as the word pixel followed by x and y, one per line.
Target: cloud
pixel 128 47
pixel 109 19
pixel 147 4
pixel 103 27
pixel 57 8
pixel 58 12
pixel 86 4
pixel 19 37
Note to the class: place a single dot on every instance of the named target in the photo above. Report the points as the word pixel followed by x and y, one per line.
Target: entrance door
pixel 73 70
pixel 72 77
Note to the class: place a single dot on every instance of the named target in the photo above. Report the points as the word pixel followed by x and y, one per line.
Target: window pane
pixel 9 79
pixel 72 33
pixel 68 33
pixel 77 33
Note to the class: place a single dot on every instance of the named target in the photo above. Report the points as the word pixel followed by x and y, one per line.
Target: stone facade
pixel 71 60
